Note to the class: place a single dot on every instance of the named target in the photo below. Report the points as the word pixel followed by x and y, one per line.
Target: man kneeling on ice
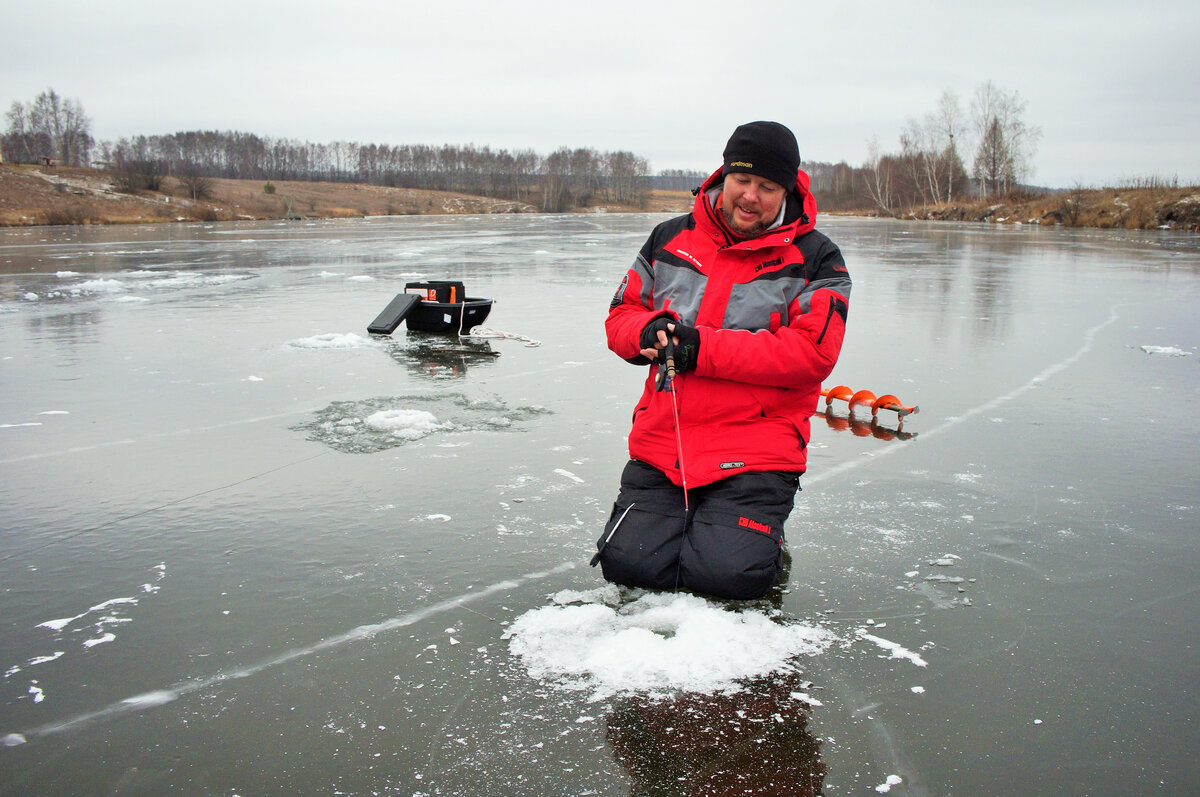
pixel 739 309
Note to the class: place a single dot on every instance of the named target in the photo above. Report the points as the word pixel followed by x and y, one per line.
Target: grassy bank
pixel 1106 208
pixel 32 195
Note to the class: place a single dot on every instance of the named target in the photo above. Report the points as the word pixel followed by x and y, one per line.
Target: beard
pixel 754 229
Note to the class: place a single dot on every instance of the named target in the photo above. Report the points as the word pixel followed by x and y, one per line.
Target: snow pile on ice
pixel 886 786
pixel 144 280
pixel 659 643
pixel 332 340
pixel 405 424
pixel 1169 351
pixel 99 286
pixel 377 424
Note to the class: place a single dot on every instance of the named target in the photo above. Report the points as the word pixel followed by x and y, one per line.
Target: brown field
pixel 36 195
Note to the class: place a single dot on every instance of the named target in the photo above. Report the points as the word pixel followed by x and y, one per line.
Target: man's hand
pixel 654 337
pixel 662 330
pixel 687 346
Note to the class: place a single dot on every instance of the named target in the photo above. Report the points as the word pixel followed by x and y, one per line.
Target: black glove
pixel 687 350
pixel 649 338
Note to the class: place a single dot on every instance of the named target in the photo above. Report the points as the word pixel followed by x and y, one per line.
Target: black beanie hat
pixel 767 149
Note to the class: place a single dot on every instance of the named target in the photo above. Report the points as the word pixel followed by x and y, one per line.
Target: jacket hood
pixel 801 204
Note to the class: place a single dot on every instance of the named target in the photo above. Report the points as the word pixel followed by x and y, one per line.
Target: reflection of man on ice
pixel 754 741
pixel 749 302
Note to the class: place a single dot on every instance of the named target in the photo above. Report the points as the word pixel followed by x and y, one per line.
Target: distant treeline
pixel 564 179
pixel 948 155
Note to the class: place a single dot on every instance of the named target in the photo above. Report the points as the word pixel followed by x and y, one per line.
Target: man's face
pixel 750 203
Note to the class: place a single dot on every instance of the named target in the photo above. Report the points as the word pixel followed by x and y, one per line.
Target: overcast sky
pixel 1113 86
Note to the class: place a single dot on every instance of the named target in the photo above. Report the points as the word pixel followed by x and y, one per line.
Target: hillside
pixel 32 195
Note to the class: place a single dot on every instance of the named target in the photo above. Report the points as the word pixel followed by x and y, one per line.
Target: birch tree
pixel 929 150
pixel 1006 147
pixel 878 173
pixel 948 119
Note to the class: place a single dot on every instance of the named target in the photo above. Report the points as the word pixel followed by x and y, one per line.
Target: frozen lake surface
pixel 247 548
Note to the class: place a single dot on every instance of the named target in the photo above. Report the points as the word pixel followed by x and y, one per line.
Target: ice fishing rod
pixel 665 381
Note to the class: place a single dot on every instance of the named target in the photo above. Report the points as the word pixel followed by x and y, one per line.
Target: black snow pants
pixel 728 543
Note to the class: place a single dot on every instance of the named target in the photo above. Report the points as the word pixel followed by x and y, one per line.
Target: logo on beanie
pixel 742 164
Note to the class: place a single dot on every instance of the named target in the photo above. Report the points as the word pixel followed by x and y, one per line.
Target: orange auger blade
pixel 890 402
pixel 865 398
pixel 840 392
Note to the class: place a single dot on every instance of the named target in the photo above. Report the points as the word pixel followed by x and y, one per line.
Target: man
pixel 749 302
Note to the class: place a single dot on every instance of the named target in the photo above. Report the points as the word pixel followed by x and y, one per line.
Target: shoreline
pixel 1170 209
pixel 33 196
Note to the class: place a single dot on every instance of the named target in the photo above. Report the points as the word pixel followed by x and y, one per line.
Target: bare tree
pixel 878 174
pixel 197 185
pixel 21 143
pixel 64 124
pixel 555 171
pixel 993 161
pixel 48 127
pixel 1006 145
pixel 929 151
pixel 948 120
pixel 626 175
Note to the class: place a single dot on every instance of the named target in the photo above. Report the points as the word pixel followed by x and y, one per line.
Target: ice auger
pixel 859 425
pixel 865 398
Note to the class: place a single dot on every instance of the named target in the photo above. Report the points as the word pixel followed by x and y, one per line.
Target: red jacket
pixel 771 313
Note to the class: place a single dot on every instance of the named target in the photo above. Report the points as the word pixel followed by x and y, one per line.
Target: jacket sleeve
pixel 798 354
pixel 632 308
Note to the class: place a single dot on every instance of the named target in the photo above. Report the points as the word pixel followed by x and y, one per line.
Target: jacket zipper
pixel 833 305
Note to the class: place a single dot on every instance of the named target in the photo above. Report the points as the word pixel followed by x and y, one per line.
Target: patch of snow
pixel 1169 351
pixel 895 650
pixel 332 340
pixel 656 644
pixel 405 424
pixel 100 640
pixel 886 786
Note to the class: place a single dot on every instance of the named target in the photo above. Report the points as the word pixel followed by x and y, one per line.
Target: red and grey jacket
pixel 771 313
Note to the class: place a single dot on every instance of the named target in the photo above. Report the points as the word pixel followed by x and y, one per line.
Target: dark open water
pixel 247 549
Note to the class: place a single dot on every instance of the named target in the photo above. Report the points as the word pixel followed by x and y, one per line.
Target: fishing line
pixel 495 334
pixel 669 386
pixel 71 535
pixel 156 436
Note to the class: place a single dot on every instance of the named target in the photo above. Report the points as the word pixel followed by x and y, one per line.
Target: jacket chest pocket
pixel 757 306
